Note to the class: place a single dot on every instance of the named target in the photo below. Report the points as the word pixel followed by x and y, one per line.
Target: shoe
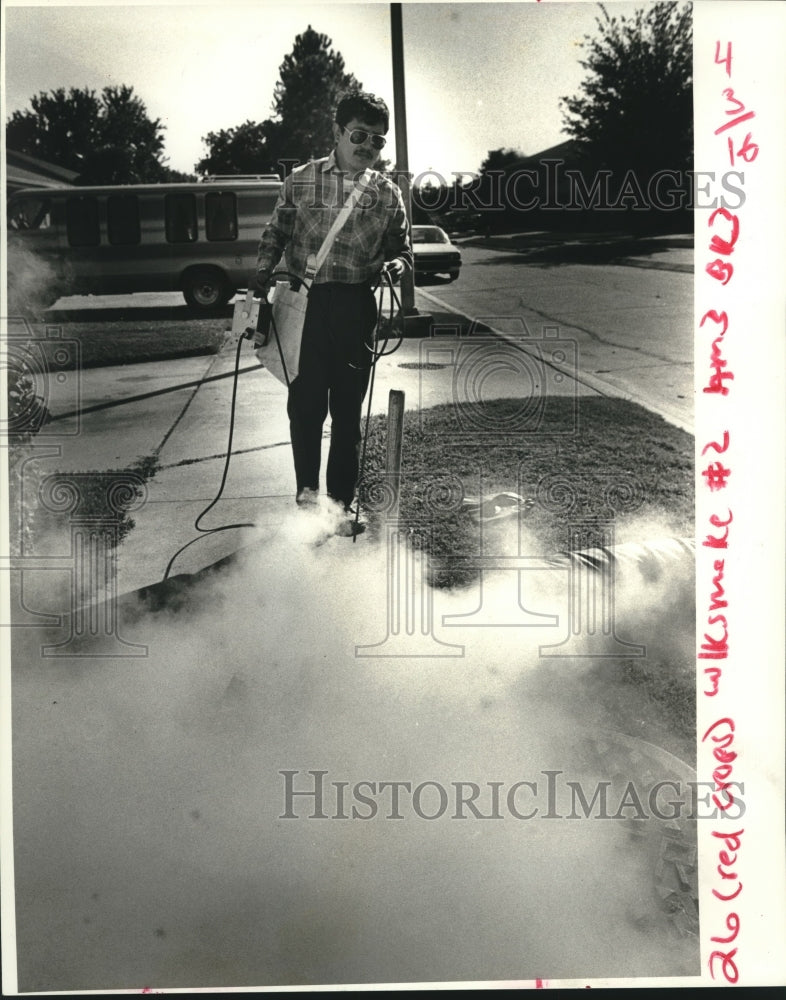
pixel 350 528
pixel 350 525
pixel 307 497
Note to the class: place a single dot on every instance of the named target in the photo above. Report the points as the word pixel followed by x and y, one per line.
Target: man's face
pixel 354 158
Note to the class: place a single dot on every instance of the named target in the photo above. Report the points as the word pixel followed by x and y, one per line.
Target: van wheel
pixel 206 288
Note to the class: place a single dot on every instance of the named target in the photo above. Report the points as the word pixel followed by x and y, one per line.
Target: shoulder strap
pixel 315 262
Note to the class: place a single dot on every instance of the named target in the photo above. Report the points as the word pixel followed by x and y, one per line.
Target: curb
pixel 654 265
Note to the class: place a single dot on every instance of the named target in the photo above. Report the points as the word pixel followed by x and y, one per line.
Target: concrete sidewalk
pixel 188 428
pixel 169 410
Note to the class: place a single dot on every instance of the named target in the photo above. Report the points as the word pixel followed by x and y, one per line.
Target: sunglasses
pixel 358 136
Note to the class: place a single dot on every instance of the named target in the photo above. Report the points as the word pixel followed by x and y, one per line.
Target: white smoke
pixel 33 284
pixel 150 845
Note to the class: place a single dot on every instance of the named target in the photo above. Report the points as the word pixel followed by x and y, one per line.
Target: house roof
pixel 23 170
pixel 566 151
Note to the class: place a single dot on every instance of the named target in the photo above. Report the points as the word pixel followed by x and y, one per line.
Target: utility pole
pixel 403 178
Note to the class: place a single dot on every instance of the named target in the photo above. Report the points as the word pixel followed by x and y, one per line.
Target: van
pixel 198 238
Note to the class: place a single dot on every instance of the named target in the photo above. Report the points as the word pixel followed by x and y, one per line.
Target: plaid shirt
pixel 310 199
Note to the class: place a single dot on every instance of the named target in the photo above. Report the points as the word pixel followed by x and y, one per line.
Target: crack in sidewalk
pixel 217 455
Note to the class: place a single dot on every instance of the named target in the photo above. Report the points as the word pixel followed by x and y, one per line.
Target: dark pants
pixel 333 377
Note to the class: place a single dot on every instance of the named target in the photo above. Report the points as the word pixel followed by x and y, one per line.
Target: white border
pixel 752 688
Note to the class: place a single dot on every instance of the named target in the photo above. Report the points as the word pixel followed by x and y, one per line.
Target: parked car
pixel 434 253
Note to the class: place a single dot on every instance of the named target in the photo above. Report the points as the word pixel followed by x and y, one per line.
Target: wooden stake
pixel 395 440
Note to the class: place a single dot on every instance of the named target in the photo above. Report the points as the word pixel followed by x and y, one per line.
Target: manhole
pixel 422 365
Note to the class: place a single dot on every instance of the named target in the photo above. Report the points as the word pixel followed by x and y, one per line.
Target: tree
pixel 498 159
pixel 108 139
pixel 311 78
pixel 635 110
pixel 240 150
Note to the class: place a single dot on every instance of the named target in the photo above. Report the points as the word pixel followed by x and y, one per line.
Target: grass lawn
pixel 612 440
pixel 605 442
pixel 109 342
pixel 120 342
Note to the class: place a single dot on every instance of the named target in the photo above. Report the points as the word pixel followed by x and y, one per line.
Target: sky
pixel 478 76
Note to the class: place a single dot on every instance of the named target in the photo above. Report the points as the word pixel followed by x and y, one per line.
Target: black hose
pixel 376 355
pixel 225 527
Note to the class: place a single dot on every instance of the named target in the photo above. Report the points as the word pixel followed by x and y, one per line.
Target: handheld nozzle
pixel 251 319
pixel 261 332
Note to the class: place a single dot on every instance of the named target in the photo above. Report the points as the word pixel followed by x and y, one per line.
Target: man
pixel 335 353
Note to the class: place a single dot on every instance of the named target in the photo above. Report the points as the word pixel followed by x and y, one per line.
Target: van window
pixel 181 218
pixel 82 221
pixel 122 219
pixel 221 215
pixel 33 212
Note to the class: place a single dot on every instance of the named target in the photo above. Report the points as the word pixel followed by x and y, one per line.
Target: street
pixel 633 325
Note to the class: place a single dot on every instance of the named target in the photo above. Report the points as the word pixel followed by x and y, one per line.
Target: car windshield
pixel 30 213
pixel 428 234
